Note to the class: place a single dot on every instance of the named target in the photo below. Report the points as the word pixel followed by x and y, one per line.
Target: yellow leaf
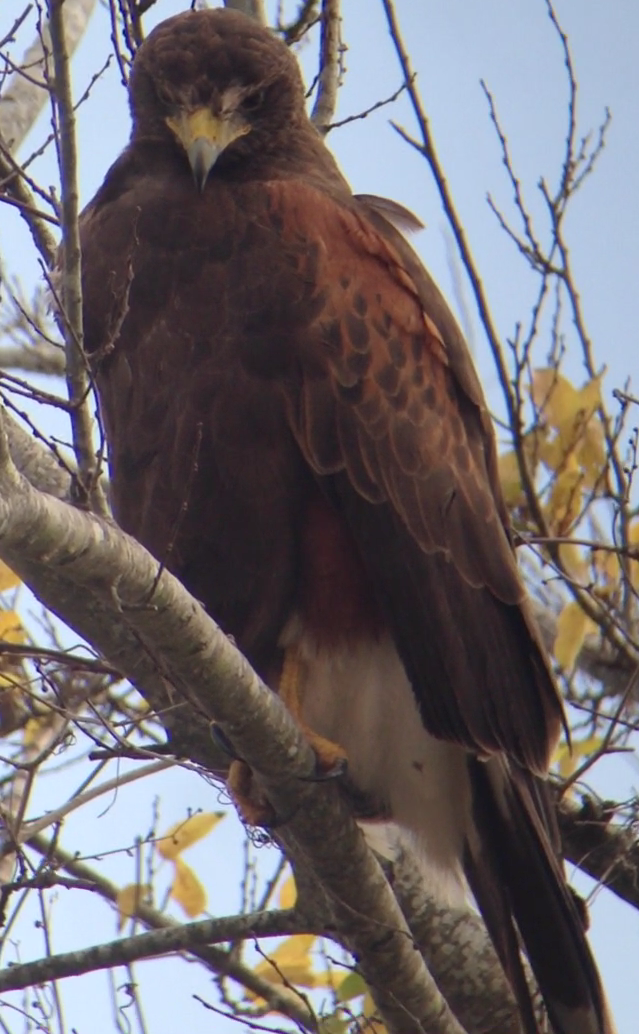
pixel 573 625
pixel 554 396
pixel 334 1024
pixel 187 832
pixel 589 397
pixel 35 728
pixel 129 899
pixel 508 466
pixel 573 560
pixel 369 1009
pixel 8 580
pixel 606 564
pixel 566 496
pixel 572 413
pixel 509 479
pixel 566 758
pixel 560 403
pixel 591 454
pixel 187 890
pixel 352 986
pixel 633 540
pixel 11 629
pixel 294 950
pixel 288 893
pixel 291 963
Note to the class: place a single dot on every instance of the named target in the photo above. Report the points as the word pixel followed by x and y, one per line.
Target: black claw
pixel 323 775
pixel 222 741
pixel 281 820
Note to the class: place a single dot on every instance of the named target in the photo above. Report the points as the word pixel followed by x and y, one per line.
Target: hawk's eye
pixel 164 96
pixel 253 101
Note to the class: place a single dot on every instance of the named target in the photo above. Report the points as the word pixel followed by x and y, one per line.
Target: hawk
pixel 296 429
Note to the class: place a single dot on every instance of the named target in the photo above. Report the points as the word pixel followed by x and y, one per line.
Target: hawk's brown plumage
pixel 295 426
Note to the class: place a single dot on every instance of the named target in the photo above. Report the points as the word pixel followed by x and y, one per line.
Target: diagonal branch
pixel 26 95
pixel 42 538
pixel 176 937
pixel 95 618
pixel 78 382
pixel 217 959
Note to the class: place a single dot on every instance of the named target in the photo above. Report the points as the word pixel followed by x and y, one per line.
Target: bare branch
pixel 608 852
pixel 329 66
pixel 14 184
pixel 43 359
pixel 217 959
pixel 590 604
pixel 24 98
pixel 173 938
pixel 42 537
pixel 70 279
pixel 254 8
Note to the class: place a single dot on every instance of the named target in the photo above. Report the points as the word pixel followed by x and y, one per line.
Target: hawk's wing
pixel 387 409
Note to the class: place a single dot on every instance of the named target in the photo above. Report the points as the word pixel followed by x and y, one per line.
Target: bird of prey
pixel 296 429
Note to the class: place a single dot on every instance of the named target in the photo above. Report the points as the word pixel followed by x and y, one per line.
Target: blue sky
pixel 453 44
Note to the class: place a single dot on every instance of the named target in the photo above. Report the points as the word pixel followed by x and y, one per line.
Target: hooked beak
pixel 204 136
pixel 202 154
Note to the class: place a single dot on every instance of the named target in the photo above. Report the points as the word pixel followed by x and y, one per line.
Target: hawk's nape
pixel 295 427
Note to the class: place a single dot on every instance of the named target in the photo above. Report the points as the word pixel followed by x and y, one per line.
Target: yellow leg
pixel 291 690
pixel 252 806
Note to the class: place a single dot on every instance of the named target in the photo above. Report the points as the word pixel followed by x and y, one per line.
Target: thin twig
pixel 329 66
pixel 90 488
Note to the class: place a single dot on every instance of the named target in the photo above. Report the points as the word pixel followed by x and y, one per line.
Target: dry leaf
pixel 573 625
pixel 352 986
pixel 561 404
pixel 291 963
pixel 566 758
pixel 566 498
pixel 633 540
pixel 553 396
pixel 129 899
pixel 573 561
pixel 509 479
pixel 11 627
pixel 572 413
pixel 288 893
pixel 8 579
pixel 187 832
pixel 187 890
pixel 606 564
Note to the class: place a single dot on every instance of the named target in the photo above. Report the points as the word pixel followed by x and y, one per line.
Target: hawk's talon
pixel 338 768
pixel 222 741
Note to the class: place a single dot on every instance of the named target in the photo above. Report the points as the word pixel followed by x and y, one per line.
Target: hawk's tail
pixel 517 878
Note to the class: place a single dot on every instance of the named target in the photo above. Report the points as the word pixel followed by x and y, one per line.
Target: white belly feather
pixel 360 697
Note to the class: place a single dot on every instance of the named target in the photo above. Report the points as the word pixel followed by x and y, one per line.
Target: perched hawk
pixel 295 427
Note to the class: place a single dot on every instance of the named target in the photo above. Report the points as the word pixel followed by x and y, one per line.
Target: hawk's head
pixel 220 86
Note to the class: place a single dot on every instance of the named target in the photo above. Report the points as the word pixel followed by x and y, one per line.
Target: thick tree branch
pixel 482 1000
pixel 42 538
pixel 94 618
pixel 26 94
pixel 607 852
pixel 173 938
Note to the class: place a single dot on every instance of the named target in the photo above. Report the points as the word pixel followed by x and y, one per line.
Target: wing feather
pixel 393 423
